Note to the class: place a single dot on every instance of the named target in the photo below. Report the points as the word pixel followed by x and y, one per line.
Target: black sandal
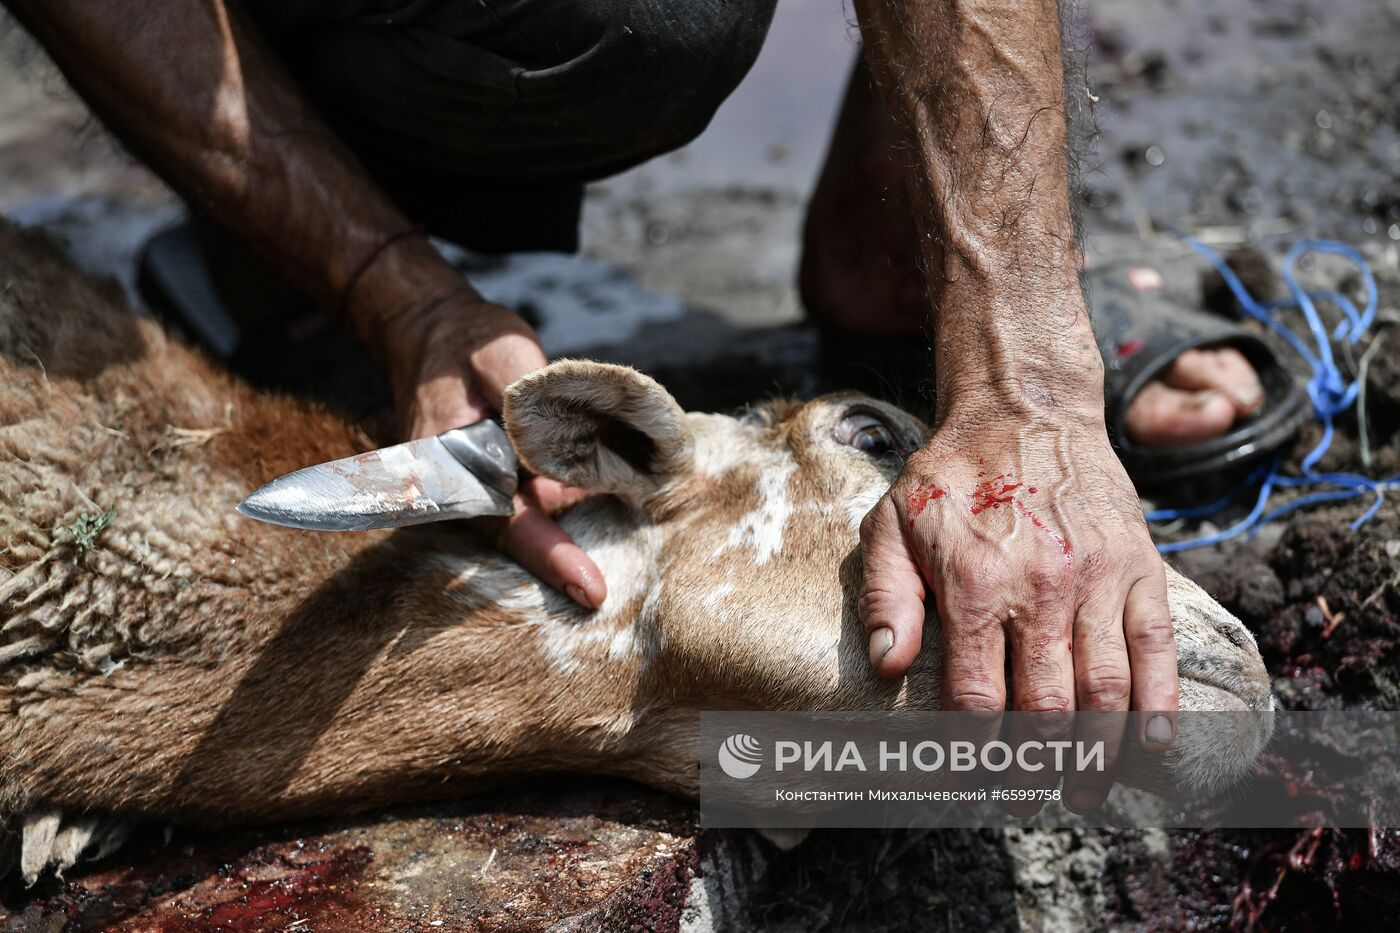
pixel 1142 326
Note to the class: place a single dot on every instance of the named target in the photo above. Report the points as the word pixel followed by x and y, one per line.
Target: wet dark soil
pixel 580 854
pixel 1325 606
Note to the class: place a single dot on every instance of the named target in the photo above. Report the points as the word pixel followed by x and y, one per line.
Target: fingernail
pixel 881 641
pixel 1084 799
pixel 1200 400
pixel 1159 730
pixel 577 594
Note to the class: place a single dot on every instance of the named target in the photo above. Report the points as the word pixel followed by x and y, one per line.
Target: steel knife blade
pixel 463 473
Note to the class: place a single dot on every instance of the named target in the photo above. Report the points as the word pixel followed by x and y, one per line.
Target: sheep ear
pixel 598 426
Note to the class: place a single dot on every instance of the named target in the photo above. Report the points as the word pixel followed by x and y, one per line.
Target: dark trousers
pixel 484 118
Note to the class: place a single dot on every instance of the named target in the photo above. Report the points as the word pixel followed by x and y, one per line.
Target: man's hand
pixel 450 363
pixel 193 87
pixel 1033 543
pixel 1017 515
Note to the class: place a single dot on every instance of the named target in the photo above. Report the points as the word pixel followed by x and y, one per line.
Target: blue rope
pixel 1328 390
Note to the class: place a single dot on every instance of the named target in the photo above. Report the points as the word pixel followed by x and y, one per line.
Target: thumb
pixel 538 544
pixel 891 605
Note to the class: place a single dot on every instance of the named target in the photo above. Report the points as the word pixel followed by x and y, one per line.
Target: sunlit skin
pixel 976 91
pixel 1065 582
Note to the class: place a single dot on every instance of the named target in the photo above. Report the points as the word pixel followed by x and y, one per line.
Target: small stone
pixel 1392 548
pixel 1314 617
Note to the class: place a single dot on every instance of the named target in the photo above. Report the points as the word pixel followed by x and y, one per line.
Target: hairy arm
pixel 190 86
pixel 1017 515
pixel 978 90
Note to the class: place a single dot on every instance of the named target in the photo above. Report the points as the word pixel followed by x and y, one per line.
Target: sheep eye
pixel 866 433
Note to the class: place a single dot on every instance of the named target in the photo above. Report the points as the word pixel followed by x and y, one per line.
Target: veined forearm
pixel 978 88
pixel 190 86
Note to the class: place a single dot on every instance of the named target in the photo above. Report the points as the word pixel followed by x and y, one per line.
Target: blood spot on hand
pixel 1058 538
pixel 999 491
pixel 993 493
pixel 919 499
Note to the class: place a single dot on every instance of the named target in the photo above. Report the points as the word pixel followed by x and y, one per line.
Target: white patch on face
pixel 762 529
pixel 562 651
pixel 625 546
pixel 568 642
pixel 623 645
pixel 862 502
pixel 715 597
pixel 722 444
pixel 495 581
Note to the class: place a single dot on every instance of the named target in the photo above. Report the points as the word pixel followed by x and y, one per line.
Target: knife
pixel 462 473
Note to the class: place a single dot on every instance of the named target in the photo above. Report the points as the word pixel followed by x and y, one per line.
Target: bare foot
pixel 1200 396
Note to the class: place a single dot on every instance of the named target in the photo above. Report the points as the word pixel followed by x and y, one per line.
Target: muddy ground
pixel 1250 123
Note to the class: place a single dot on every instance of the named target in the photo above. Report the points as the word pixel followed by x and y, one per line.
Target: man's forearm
pixel 977 87
pixel 190 87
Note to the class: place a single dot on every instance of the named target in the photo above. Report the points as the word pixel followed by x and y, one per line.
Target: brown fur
pixel 188 663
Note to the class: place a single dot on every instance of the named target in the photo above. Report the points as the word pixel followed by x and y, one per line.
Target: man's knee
pixel 571 89
pixel 657 72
